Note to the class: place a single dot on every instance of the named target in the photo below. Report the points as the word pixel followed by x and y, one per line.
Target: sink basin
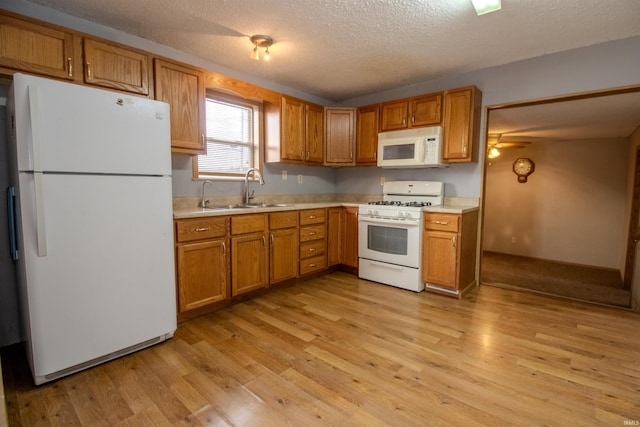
pixel 264 205
pixel 247 206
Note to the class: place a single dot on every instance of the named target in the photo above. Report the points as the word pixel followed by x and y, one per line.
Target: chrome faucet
pixel 257 173
pixel 204 202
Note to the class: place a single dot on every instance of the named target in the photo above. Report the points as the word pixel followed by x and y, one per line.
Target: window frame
pixel 258 160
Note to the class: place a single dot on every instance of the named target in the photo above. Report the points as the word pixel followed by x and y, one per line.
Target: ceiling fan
pixel 496 142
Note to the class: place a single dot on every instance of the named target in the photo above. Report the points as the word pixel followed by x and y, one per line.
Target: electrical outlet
pixel 382 180
pixel 284 175
pixel 299 179
pixel 514 240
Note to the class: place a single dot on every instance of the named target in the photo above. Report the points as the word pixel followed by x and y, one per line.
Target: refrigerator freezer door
pixel 107 281
pixel 63 127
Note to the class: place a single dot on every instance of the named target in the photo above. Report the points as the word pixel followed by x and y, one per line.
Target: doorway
pixel 561 227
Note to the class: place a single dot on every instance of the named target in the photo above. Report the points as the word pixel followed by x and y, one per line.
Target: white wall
pixel 571 209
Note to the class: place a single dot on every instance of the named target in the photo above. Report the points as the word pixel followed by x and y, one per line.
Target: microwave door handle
pixel 421 150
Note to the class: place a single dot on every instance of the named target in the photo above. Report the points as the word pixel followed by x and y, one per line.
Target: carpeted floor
pixel 566 280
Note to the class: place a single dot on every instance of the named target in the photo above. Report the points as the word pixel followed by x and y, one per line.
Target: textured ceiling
pixel 339 49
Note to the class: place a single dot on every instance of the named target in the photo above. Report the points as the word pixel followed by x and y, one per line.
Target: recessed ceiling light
pixel 486 6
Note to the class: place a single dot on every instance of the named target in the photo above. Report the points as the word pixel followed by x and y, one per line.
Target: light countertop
pixel 197 212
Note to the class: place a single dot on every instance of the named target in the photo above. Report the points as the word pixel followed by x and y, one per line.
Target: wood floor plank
pixel 338 350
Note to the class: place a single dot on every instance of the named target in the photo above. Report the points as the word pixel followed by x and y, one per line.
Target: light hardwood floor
pixel 336 350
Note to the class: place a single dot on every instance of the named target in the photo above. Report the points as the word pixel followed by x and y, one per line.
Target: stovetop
pixel 416 204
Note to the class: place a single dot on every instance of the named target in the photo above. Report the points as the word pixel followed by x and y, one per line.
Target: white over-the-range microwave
pixel 411 148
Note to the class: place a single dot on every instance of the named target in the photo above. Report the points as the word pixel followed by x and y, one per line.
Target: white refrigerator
pixel 91 221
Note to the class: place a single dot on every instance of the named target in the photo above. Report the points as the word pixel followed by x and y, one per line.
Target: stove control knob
pixel 407 215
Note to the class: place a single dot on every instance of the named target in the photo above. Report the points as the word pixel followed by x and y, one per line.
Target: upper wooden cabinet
pixel 301 138
pixel 393 115
pixel 292 129
pixel 182 87
pixel 367 134
pixel 36 48
pixel 314 140
pixel 461 124
pixel 419 111
pixel 426 110
pixel 340 136
pixel 116 67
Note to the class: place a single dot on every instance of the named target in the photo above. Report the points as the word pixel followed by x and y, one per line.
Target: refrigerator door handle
pixel 34 110
pixel 41 231
pixel 11 216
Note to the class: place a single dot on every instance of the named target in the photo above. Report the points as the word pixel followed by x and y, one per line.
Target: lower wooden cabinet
pixel 249 253
pixel 449 252
pixel 313 241
pixel 202 263
pixel 283 246
pixel 334 236
pixel 349 233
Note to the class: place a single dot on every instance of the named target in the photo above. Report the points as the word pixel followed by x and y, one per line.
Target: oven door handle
pixel 399 223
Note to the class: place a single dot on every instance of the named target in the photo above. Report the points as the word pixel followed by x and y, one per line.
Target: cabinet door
pixel 339 131
pixel 426 110
pixel 249 263
pixel 350 237
pixel 460 124
pixel 293 129
pixel 182 87
pixel 202 274
pixel 35 48
pixel 367 134
pixel 283 257
pixel 440 258
pixel 115 67
pixel 393 115
pixel 314 115
pixel 334 236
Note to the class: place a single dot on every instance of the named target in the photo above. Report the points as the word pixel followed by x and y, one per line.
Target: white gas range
pixel 390 233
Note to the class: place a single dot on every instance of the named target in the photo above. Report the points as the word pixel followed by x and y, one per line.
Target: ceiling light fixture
pixel 486 6
pixel 261 41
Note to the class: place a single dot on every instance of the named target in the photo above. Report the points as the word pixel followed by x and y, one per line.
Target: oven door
pixel 390 241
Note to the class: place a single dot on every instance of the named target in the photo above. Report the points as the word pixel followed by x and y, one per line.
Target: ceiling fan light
pixel 254 54
pixel 267 55
pixel 493 153
pixel 486 6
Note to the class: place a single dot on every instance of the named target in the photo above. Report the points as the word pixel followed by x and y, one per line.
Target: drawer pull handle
pixel 224 249
pixel 264 241
pixel 88 71
pixel 70 67
pixel 442 222
pixel 312 217
pixel 201 229
pixel 313 265
pixel 312 233
pixel 312 249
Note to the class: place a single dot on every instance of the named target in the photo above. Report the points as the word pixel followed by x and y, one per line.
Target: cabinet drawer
pixel 200 228
pixel 312 248
pixel 312 216
pixel 241 224
pixel 279 220
pixel 313 264
pixel 442 222
pixel 313 232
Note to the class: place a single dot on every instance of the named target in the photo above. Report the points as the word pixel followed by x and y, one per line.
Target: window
pixel 232 137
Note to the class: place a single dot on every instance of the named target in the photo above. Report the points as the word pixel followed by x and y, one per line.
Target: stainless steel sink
pixel 247 206
pixel 264 205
